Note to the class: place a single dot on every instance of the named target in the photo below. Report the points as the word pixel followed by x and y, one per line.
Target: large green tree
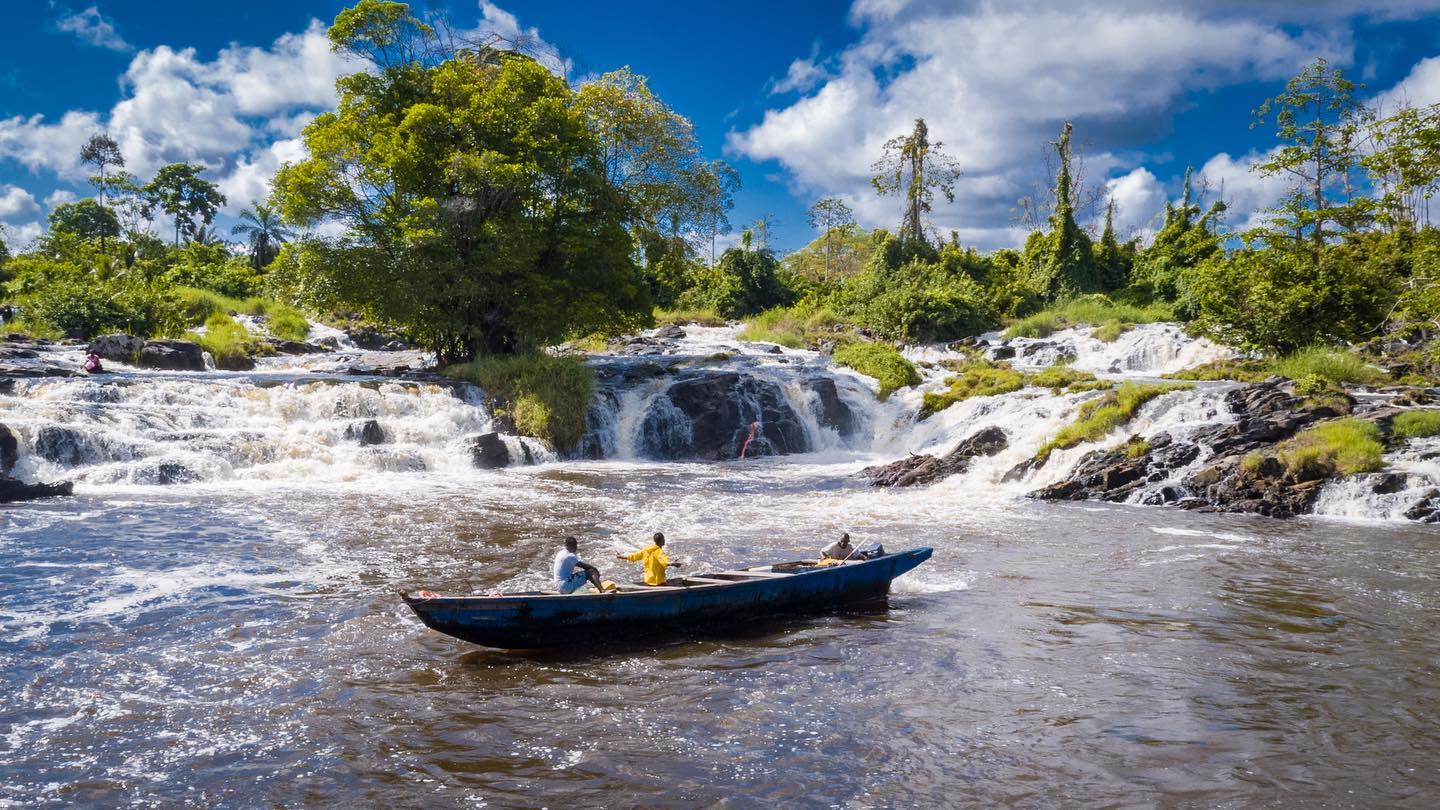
pixel 182 194
pixel 84 219
pixel 472 194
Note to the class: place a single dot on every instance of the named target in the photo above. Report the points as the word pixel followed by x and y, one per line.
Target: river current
pixel 236 640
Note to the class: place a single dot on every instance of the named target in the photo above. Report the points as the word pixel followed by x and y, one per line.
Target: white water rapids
pixel 294 420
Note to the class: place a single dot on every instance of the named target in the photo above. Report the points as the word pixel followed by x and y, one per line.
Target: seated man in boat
pixel 652 560
pixel 840 550
pixel 570 572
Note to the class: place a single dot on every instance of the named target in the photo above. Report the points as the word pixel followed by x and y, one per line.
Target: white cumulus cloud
pixel 995 81
pixel 16 202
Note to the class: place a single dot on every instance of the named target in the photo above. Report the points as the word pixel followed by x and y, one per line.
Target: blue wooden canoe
pixel 529 620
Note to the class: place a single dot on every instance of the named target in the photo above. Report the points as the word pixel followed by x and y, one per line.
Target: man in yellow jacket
pixel 652 560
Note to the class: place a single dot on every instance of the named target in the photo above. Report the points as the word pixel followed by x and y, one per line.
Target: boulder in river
pixel 366 433
pixel 832 412
pixel 708 414
pixel 926 469
pixel 9 450
pixel 13 489
pixel 172 355
pixel 60 445
pixel 488 451
pixel 119 348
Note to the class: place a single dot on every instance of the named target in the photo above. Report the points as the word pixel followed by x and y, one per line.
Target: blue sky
pixel 798 96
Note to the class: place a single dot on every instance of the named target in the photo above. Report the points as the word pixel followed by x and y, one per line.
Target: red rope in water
pixel 754 426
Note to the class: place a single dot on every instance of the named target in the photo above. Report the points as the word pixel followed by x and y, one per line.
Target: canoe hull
pixel 527 622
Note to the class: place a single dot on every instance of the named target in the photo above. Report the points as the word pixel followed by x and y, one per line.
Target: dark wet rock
pixel 61 445
pixel 11 370
pixel 172 355
pixel 1427 509
pixel 366 433
pixel 119 348
pixel 296 346
pixel 708 414
pixel 926 469
pixel 166 473
pixel 1119 472
pixel 488 451
pixel 1001 351
pixel 18 353
pixel 328 342
pixel 832 412
pixel 669 332
pixel 1387 483
pixel 9 450
pixel 634 345
pixel 13 490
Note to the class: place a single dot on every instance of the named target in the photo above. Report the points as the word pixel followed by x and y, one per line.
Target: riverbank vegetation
pixel 1100 416
pixel 1338 447
pixel 978 377
pixel 542 395
pixel 881 361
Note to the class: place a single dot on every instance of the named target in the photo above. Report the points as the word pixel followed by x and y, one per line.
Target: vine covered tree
pixel 914 167
pixel 101 151
pixel 1062 262
pixel 828 215
pixel 180 192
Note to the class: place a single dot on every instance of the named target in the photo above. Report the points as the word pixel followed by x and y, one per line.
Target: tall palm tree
pixel 261 224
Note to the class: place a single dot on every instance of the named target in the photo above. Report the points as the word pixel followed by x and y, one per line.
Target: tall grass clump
pixel 229 342
pixel 1416 424
pixel 1113 318
pixel 286 322
pixel 1339 447
pixel 797 327
pixel 881 361
pixel 1100 416
pixel 198 305
pixel 1327 365
pixel 546 396
pixel 682 317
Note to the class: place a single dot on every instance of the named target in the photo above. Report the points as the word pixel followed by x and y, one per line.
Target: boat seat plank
pixel 752 574
pixel 709 581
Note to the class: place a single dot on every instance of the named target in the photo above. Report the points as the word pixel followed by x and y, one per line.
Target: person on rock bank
pixel 571 572
pixel 652 559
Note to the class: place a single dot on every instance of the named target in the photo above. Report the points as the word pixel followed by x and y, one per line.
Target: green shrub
pixel 1059 377
pixel 88 308
pixel 198 305
pixel 1416 424
pixel 229 342
pixel 881 361
pixel 1342 446
pixel 546 397
pixel 917 302
pixel 981 378
pixel 1100 416
pixel 1327 365
pixel 1113 319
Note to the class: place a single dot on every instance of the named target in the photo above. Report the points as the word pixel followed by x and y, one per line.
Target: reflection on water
pixel 244 646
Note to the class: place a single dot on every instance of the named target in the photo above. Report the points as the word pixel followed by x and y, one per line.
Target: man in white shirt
pixel 840 549
pixel 570 572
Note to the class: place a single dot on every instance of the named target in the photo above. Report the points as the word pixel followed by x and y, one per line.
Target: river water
pixel 236 640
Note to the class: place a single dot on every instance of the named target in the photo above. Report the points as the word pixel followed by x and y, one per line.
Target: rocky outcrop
pixel 927 469
pixel 13 490
pixel 60 445
pixel 708 414
pixel 167 355
pixel 1266 413
pixel 832 412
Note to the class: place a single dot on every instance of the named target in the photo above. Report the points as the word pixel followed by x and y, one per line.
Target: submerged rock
pixel 926 469
pixel 366 433
pixel 13 490
pixel 60 445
